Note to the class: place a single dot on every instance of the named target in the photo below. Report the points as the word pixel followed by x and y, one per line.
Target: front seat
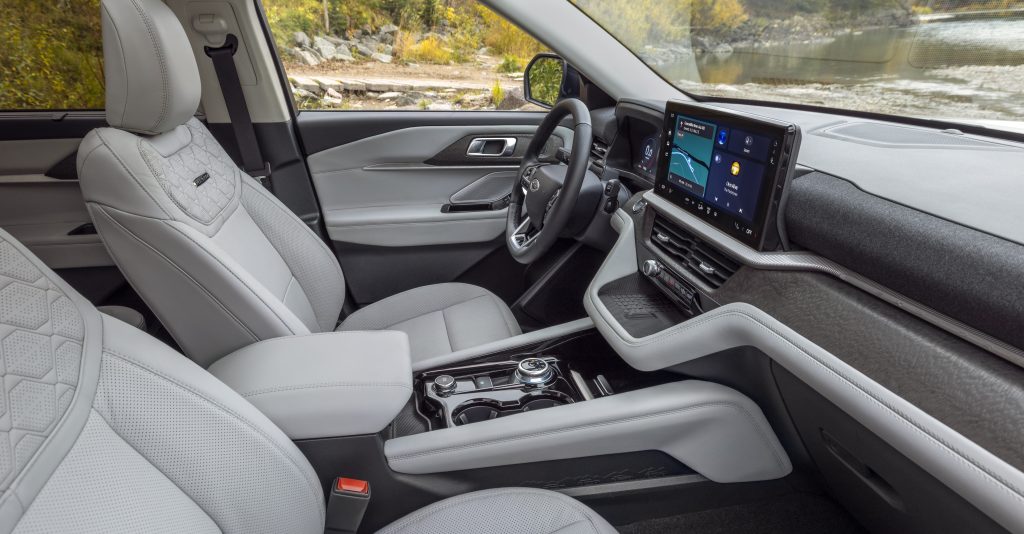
pixel 107 429
pixel 219 259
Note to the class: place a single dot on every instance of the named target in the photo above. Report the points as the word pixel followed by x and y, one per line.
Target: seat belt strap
pixel 238 111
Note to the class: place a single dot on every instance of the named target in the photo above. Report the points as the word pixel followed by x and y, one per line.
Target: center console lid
pixel 324 385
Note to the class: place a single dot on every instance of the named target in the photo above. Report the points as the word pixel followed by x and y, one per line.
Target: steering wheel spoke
pixel 523 237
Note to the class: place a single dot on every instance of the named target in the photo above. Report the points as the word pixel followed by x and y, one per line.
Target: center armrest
pixel 324 385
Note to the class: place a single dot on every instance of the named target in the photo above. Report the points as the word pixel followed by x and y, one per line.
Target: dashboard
pixel 872 196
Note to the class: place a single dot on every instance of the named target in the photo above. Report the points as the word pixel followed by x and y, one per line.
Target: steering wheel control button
pixel 534 372
pixel 444 385
pixel 651 268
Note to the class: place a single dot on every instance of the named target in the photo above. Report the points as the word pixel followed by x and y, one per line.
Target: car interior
pixel 633 311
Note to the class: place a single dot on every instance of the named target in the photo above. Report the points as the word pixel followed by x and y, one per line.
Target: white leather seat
pixel 220 260
pixel 109 430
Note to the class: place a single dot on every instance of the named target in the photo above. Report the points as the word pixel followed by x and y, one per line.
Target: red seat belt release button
pixel 347 504
pixel 352 485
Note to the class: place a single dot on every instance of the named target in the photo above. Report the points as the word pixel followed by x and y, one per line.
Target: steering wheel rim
pixel 548 203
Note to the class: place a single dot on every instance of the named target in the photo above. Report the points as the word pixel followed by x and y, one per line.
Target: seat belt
pixel 238 111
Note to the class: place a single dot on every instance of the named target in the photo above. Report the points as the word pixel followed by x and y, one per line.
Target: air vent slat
pixel 699 258
pixel 599 154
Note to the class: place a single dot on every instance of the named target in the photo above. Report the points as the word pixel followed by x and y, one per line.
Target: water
pixel 955 68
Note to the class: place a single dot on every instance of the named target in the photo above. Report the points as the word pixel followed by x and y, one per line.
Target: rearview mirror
pixel 543 80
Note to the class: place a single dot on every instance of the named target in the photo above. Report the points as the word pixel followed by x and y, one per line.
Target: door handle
pixel 492 147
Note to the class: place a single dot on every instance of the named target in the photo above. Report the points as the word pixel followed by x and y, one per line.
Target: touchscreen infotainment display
pixel 725 167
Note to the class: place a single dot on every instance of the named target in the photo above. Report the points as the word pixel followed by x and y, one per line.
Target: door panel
pixel 410 206
pixel 41 207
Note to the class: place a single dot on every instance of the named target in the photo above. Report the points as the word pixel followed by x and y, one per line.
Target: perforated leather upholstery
pixel 220 260
pixel 108 430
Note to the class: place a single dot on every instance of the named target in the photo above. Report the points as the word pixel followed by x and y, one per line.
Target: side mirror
pixel 548 79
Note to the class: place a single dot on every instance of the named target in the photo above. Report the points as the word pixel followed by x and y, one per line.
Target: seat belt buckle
pixel 263 176
pixel 346 504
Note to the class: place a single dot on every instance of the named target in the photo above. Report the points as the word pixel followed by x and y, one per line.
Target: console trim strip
pixel 804 261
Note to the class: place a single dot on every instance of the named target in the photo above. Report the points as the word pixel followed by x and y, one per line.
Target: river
pixel 954 69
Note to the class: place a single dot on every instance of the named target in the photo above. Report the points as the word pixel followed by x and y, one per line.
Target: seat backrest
pixel 218 258
pixel 105 429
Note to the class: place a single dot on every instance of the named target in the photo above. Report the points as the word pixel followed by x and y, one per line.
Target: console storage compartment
pixel 323 385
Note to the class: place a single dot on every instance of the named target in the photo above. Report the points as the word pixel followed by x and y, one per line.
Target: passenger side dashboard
pixel 888 327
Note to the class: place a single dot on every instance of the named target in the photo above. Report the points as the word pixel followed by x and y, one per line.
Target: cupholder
pixel 474 413
pixel 478 410
pixel 540 404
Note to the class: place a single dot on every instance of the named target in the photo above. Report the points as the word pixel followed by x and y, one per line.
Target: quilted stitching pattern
pixel 41 335
pixel 177 174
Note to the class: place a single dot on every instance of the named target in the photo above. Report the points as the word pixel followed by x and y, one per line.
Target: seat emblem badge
pixel 534 185
pixel 201 179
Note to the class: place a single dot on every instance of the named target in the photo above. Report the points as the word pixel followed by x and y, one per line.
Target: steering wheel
pixel 541 206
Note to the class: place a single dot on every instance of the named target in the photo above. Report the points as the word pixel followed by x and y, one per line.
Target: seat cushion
pixel 506 510
pixel 439 319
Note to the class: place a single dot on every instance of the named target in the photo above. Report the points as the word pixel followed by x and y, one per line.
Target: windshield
pixel 955 60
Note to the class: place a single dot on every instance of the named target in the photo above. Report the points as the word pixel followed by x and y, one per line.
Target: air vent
pixel 598 154
pixel 694 255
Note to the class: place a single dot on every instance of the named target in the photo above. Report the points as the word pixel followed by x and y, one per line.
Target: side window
pixel 400 54
pixel 51 55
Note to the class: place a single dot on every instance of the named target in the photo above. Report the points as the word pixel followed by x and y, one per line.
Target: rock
pixel 477 99
pixel 302 94
pixel 331 93
pixel 390 95
pixel 353 86
pixel 406 100
pixel 329 84
pixel 304 56
pixel 342 53
pixel 378 87
pixel 483 51
pixel 305 84
pixel 301 39
pixel 334 40
pixel 389 29
pixel 324 47
pixel 383 58
pixel 386 38
pixel 701 44
pixel 331 101
pixel 363 50
pixel 514 99
pixel 722 49
pixel 386 49
pixel 440 106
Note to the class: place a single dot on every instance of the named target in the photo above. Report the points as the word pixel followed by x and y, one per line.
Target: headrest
pixel 152 80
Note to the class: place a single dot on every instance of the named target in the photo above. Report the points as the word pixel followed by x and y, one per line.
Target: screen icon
pixel 723 136
pixel 735 169
pixel 749 140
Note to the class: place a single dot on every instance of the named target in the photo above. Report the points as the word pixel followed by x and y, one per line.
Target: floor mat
pixel 792 514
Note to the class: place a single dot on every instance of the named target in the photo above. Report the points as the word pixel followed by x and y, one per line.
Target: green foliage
pixel 510 64
pixel 51 55
pixel 429 50
pixel 545 78
pixel 497 93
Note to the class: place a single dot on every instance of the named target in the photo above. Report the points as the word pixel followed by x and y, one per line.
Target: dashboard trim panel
pixel 803 261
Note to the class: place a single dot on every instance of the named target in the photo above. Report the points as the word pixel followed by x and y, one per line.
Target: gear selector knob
pixel 534 372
